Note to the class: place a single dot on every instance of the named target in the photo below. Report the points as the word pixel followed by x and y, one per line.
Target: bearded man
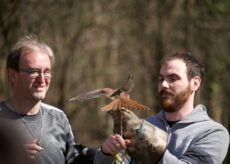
pixel 193 137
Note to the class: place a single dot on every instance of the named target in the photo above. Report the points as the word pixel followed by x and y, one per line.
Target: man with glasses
pixel 45 130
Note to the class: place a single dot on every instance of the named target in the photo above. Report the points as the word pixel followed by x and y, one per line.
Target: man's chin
pixel 39 96
pixel 168 107
pixel 169 110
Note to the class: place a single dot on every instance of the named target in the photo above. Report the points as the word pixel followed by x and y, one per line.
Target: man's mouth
pixel 39 88
pixel 165 95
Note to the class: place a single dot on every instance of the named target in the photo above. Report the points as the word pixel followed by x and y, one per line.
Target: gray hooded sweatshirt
pixel 196 139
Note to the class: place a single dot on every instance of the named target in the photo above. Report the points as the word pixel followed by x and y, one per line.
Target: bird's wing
pixel 132 105
pixel 114 105
pixel 124 103
pixel 93 94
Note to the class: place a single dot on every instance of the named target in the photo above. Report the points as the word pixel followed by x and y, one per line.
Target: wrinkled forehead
pixel 35 57
pixel 42 49
pixel 175 66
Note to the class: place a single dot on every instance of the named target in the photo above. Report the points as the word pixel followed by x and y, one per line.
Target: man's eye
pixel 48 73
pixel 34 72
pixel 160 79
pixel 172 79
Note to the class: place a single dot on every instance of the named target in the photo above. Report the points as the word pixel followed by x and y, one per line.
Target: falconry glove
pixel 147 142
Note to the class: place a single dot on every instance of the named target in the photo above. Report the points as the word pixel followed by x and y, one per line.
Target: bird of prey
pixel 107 92
pixel 119 96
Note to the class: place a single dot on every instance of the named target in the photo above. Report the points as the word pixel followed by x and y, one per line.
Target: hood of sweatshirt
pixel 197 115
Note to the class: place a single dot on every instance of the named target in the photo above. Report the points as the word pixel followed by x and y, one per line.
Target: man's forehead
pixel 30 57
pixel 30 53
pixel 175 66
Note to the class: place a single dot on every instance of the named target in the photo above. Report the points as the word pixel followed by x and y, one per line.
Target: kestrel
pixel 119 96
pixel 107 92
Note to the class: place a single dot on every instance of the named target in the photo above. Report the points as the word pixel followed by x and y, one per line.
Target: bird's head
pixel 130 76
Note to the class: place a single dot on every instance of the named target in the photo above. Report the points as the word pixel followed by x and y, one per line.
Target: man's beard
pixel 174 102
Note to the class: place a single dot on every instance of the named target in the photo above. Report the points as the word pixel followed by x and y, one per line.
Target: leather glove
pixel 147 142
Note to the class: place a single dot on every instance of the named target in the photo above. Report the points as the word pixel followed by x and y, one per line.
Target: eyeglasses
pixel 35 73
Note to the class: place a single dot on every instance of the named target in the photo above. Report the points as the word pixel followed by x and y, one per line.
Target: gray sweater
pixel 55 135
pixel 196 139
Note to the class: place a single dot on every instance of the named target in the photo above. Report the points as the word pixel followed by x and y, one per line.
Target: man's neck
pixel 24 106
pixel 185 110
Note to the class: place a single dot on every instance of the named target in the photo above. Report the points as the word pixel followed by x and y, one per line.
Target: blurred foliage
pixel 98 43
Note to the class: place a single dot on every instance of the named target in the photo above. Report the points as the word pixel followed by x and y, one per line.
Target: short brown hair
pixel 194 67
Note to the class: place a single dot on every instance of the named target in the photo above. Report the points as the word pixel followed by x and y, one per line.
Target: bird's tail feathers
pixel 124 103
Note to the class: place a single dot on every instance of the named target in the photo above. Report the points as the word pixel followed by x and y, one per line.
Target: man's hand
pixel 33 149
pixel 114 144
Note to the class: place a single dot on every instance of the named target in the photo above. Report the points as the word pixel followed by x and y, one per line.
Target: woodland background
pixel 97 44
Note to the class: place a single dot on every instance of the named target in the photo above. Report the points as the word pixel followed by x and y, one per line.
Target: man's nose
pixel 164 84
pixel 41 78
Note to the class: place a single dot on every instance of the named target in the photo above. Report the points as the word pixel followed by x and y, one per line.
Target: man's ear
pixel 195 83
pixel 11 75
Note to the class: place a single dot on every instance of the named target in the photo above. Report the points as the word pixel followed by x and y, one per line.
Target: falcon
pixel 107 92
pixel 119 96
